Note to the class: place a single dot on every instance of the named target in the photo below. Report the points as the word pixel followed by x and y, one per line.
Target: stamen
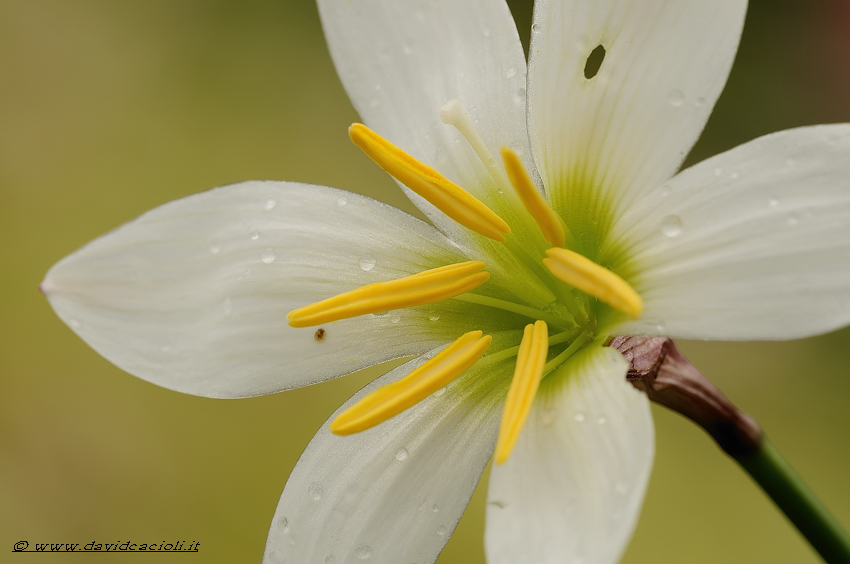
pixel 550 224
pixel 444 194
pixel 584 274
pixel 423 288
pixel 526 381
pixel 394 398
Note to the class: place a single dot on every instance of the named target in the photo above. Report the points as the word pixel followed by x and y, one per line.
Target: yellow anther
pixel 550 224
pixel 526 381
pixel 444 194
pixel 593 279
pixel 394 398
pixel 423 288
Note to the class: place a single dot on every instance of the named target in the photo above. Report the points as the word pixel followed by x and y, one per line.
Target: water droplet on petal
pixel 676 98
pixel 395 317
pixel 510 72
pixel 578 417
pixel 535 28
pixel 315 491
pixel 549 416
pixel 485 30
pixel 74 323
pixel 215 249
pixel 283 523
pixel 401 454
pixel 363 552
pixel 601 420
pixel 700 102
pixel 773 202
pixel 375 102
pixel 441 530
pixel 718 171
pixel 330 559
pixel 734 175
pixel 665 191
pixel 268 256
pixel 621 487
pixel 433 315
pixel 439 392
pixel 367 263
pixel 407 49
pixel 341 201
pixel 793 220
pixel 671 225
pixel 254 235
pixel 270 203
pixel 434 508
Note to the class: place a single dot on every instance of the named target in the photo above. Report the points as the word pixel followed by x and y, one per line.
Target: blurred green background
pixel 110 108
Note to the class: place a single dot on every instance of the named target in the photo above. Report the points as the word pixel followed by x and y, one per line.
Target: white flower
pixel 751 244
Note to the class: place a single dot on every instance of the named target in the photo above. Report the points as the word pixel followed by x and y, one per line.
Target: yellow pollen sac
pixel 392 399
pixel 547 220
pixel 423 288
pixel 584 274
pixel 526 381
pixel 444 194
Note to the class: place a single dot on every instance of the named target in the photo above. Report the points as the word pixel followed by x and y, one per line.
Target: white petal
pixel 193 295
pixel 751 244
pixel 573 487
pixel 608 139
pixel 401 62
pixel 395 492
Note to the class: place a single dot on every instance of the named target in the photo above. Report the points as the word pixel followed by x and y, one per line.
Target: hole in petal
pixel 594 62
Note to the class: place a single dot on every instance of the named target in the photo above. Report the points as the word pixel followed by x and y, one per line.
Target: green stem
pixel 779 481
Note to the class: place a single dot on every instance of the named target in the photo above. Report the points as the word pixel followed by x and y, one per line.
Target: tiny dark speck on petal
pixel 320 335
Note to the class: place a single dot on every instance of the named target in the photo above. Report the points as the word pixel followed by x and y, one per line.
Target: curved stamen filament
pixel 526 381
pixel 441 192
pixel 422 288
pixel 584 274
pixel 392 399
pixel 547 220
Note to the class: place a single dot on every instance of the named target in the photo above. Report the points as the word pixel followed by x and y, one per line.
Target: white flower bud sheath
pixel 559 219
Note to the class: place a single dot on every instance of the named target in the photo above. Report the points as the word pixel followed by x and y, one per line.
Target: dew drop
pixel 485 30
pixel 671 225
pixel 330 559
pixel 535 28
pixel 363 552
pixel 718 171
pixel 579 417
pixel 433 315
pixel 407 49
pixel 423 505
pixel 734 175
pixel 270 203
pixel 549 416
pixel 367 263
pixel 773 202
pixel 700 102
pixel 374 102
pixel 510 72
pixel 434 508
pixel 341 201
pixel 74 323
pixel 439 392
pixel 401 454
pixel 621 487
pixel 792 220
pixel 676 98
pixel 380 314
pixel 315 491
pixel 215 249
pixel 283 523
pixel 601 420
pixel 268 256
pixel 441 530
pixel 395 317
pixel 254 235
pixel 665 191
